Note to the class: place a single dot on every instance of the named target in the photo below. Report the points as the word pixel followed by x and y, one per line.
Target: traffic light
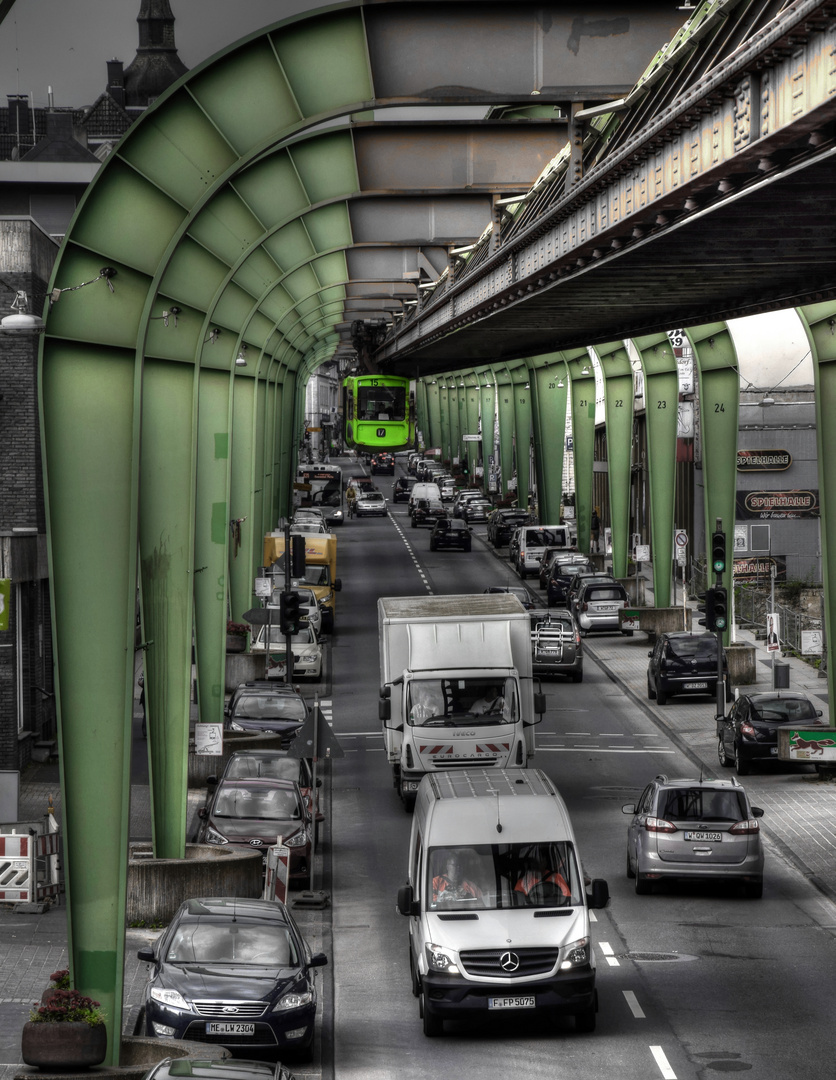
pixel 297 556
pixel 718 551
pixel 721 608
pixel 708 607
pixel 289 613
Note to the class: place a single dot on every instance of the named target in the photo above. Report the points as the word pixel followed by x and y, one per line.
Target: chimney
pixel 19 122
pixel 116 82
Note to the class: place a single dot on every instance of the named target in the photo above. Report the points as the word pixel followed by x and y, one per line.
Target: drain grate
pixel 658 957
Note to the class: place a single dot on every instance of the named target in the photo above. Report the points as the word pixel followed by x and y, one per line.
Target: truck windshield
pixel 459 702
pixel 314 575
pixel 534 874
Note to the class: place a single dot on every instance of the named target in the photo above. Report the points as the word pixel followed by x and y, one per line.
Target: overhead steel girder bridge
pixel 264 200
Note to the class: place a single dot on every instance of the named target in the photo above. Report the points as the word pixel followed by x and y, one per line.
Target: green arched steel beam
pixel 582 377
pixel 549 396
pixel 618 405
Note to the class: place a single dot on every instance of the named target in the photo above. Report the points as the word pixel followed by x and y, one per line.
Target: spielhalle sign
pixel 763 460
pixel 777 505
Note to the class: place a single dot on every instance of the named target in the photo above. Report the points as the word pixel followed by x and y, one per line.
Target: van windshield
pixel 457 702
pixel 493 876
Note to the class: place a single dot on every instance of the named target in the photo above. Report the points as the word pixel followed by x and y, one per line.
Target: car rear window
pixel 598 592
pixel 696 646
pixel 784 710
pixel 701 804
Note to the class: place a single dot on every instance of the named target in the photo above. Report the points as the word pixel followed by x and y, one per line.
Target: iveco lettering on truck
pixel 498 912
pixel 456 685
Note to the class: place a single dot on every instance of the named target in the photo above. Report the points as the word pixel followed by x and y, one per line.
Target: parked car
pixel 502 522
pixel 748 735
pixel 274 765
pixel 464 496
pixel 450 533
pixel 176 1068
pixel 383 463
pixel 426 512
pixel 520 591
pixel 694 829
pixel 577 583
pixel 448 490
pixel 266 706
pixel 550 556
pixel 476 510
pixel 556 645
pixel 683 663
pixel 224 953
pixel 561 576
pixel 514 543
pixel 532 540
pixel 251 812
pixel 370 504
pixel 401 488
pixel 598 605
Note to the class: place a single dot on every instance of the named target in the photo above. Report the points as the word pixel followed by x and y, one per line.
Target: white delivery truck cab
pixel 495 897
pixel 456 685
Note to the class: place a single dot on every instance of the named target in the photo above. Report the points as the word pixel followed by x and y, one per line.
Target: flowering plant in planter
pixel 237 628
pixel 60 980
pixel 68 1006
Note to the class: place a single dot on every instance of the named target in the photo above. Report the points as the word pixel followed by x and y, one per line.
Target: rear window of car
pixel 701 804
pixel 567 570
pixel 690 647
pixel 784 710
pixel 597 592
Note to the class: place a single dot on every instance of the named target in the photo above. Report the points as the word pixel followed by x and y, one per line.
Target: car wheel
pixel 725 760
pixel 642 885
pixel 741 767
pixel 753 890
pixel 577 676
pixel 467 547
pixel 630 871
pixel 651 689
pixel 433 545
pixel 661 696
pixel 433 1024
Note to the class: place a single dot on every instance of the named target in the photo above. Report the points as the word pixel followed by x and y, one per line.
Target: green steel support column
pixel 472 426
pixel 271 487
pixel 819 321
pixel 422 413
pixel 241 522
pixel 487 413
pixel 618 403
pixel 522 427
pixel 549 394
pixel 444 416
pixel 719 382
pixel 211 541
pixel 454 397
pixel 287 462
pixel 661 401
pixel 505 414
pixel 432 436
pixel 583 437
pixel 259 458
pixel 166 545
pixel 89 407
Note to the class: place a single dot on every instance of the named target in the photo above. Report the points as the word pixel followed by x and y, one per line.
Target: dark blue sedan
pixel 233 972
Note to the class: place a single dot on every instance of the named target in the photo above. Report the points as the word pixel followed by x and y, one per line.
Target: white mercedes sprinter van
pixel 495 897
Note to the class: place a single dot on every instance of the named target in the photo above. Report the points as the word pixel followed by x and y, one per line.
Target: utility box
pixel 780 675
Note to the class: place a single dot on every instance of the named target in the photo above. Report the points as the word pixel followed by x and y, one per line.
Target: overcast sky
pixel 66 44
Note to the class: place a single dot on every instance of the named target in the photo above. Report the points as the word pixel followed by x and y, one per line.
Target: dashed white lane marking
pixel 411 553
pixel 603 750
pixel 606 949
pixel 633 1003
pixel 664 1066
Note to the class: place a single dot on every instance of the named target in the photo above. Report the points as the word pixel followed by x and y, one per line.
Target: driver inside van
pixel 451 884
pixel 542 872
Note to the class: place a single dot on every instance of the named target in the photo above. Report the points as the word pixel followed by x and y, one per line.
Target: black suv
pixel 402 487
pixel 383 463
pixel 501 523
pixel 683 663
pixel 450 532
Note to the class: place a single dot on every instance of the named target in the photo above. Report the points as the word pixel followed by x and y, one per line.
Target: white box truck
pixel 456 685
pixel 495 896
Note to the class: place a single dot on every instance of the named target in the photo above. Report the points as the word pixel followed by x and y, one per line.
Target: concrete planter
pixel 63 1047
pixel 157 887
pixel 742 664
pixel 244 667
pixel 137 1055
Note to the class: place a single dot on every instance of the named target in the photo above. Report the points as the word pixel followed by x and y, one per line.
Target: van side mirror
pixel 384 710
pixel 599 895
pixel 338 585
pixel 407 904
pixel 540 703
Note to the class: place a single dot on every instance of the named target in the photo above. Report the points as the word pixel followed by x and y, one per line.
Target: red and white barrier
pixel 26 861
pixel 278 869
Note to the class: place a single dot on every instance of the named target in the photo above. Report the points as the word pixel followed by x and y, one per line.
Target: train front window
pixel 381 403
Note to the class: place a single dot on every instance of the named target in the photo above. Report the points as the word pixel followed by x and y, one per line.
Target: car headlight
pixel 172 998
pixel 294 1000
pixel 298 840
pixel 441 959
pixel 575 955
pixel 214 837
pixel 235 726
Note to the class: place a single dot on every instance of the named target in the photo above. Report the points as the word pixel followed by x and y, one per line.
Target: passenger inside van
pixel 451 884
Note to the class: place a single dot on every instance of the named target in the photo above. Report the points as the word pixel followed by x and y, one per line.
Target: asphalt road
pixel 692 981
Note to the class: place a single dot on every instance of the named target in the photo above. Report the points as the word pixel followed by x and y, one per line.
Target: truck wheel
pixel 433 1024
pixel 408 800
